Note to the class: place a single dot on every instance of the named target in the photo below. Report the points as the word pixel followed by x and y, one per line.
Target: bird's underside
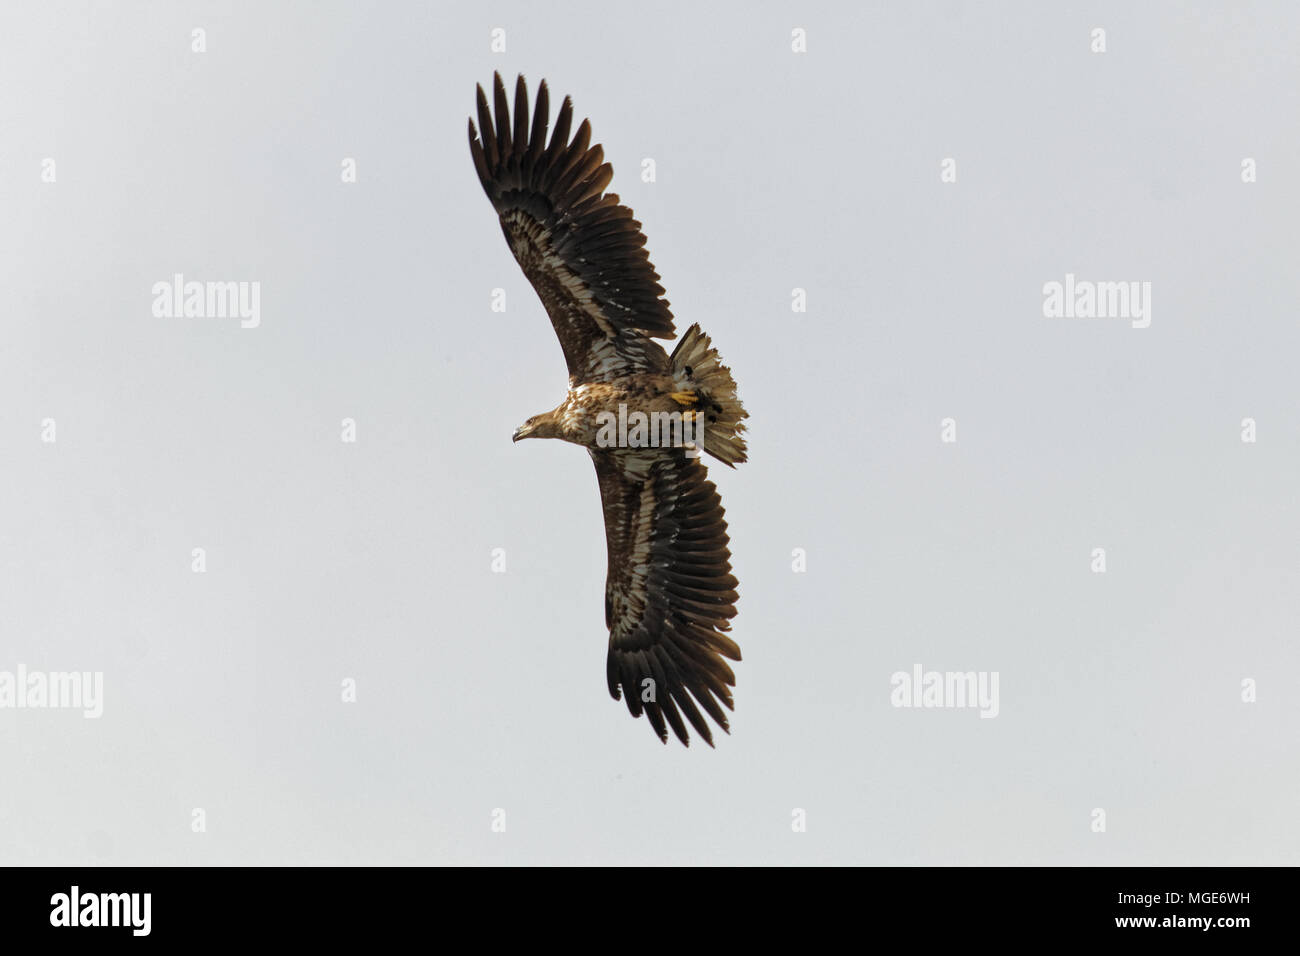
pixel 669 592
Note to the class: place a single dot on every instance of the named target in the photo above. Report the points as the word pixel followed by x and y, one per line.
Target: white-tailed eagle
pixel 640 412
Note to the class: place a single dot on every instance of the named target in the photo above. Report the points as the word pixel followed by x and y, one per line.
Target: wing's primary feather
pixel 582 251
pixel 669 594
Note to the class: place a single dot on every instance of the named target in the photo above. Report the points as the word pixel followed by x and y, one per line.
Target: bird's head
pixel 544 425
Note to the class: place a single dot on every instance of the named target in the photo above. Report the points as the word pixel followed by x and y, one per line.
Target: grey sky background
pixel 775 170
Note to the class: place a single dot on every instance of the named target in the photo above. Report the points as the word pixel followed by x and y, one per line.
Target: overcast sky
pixel 921 171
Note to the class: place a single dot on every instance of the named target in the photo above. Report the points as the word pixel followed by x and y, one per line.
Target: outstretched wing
pixel 669 595
pixel 583 252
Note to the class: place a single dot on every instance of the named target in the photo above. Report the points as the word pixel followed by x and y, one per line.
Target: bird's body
pixel 577 419
pixel 643 414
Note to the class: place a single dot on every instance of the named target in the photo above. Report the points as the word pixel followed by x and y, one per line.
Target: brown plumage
pixel 669 592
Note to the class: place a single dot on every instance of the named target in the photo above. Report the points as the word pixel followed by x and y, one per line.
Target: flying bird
pixel 669 592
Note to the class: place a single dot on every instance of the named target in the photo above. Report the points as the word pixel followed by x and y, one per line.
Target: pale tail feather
pixel 699 368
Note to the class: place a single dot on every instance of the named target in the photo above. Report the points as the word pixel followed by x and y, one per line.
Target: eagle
pixel 669 591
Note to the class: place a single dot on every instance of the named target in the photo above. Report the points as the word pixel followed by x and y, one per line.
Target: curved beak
pixel 520 432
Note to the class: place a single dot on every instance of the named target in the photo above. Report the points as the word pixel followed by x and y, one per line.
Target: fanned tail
pixel 698 367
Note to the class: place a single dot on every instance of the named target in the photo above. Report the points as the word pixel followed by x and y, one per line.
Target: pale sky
pixel 1161 691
